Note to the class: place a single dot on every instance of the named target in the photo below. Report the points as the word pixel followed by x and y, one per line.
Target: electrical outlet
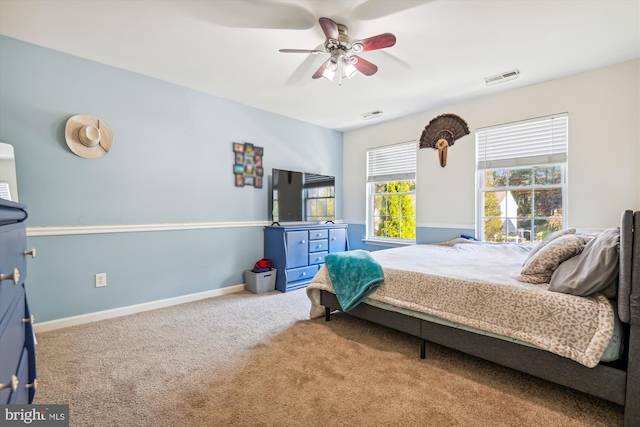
pixel 101 280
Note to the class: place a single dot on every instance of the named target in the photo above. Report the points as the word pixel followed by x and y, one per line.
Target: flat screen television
pixel 302 196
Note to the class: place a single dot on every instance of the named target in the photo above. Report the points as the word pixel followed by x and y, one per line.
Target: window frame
pixel 403 171
pixel 524 153
pixel 309 199
pixel 482 189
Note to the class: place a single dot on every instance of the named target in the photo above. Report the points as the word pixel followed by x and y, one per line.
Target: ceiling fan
pixel 344 60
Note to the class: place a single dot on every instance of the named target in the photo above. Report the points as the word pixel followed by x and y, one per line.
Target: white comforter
pixel 474 284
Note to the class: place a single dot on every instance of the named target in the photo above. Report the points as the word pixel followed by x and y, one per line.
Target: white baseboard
pixel 131 309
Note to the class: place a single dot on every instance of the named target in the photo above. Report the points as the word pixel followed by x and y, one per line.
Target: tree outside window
pixel 521 176
pixel 394 212
pixel 391 193
pixel 523 204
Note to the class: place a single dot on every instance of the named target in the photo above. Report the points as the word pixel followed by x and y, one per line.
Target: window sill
pixel 389 243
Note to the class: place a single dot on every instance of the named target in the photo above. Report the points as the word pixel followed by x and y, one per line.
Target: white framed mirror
pixel 8 178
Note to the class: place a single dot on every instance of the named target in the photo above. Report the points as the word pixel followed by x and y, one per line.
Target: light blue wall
pixel 171 162
pixel 358 232
pixel 437 234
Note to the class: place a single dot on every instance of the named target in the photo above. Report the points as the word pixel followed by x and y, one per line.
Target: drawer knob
pixel 318 247
pixel 33 385
pixel 304 273
pixel 32 252
pixel 15 276
pixel 303 241
pixel 13 384
pixel 30 319
pixel 333 238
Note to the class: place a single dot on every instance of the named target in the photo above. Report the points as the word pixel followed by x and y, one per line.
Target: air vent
pixel 501 78
pixel 372 115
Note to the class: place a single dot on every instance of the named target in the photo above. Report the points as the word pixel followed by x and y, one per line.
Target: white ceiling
pixel 444 49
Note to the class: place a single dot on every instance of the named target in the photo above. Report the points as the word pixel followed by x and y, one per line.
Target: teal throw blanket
pixel 354 275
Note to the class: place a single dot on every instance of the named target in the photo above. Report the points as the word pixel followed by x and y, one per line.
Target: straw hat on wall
pixel 88 136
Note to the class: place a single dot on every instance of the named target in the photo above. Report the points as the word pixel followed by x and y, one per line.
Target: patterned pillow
pixel 551 237
pixel 540 267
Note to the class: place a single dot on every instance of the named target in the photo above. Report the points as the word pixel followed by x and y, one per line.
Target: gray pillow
pixel 551 237
pixel 591 271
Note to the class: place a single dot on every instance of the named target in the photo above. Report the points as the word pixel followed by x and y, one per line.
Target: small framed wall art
pixel 247 168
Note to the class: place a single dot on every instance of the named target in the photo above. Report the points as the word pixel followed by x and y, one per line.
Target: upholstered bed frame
pixel 618 381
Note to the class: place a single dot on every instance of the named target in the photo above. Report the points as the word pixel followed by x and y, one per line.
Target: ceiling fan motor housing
pixel 338 48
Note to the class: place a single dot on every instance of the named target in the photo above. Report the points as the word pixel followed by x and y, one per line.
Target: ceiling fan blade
pixel 275 14
pixel 365 67
pixel 314 51
pixel 380 41
pixel 374 9
pixel 320 71
pixel 330 28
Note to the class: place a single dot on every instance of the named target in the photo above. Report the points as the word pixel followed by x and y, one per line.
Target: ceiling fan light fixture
pixel 328 74
pixel 329 70
pixel 349 70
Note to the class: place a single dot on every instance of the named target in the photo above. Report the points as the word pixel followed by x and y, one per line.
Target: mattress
pixel 476 285
pixel 611 353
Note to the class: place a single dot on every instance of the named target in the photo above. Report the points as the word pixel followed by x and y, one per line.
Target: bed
pixel 507 314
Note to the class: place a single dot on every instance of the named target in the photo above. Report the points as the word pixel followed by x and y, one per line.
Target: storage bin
pixel 259 283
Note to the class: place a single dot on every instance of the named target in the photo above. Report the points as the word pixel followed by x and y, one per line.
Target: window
pixel 391 193
pixel 521 176
pixel 320 197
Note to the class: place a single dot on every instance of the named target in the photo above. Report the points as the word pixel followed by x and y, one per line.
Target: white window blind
pixel 527 143
pixel 5 193
pixel 392 163
pixel 312 180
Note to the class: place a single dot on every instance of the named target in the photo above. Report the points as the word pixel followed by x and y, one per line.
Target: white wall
pixel 604 148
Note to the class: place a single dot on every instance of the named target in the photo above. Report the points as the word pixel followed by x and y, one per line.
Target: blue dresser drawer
pixel 318 245
pixel 317 258
pixel 30 346
pixel 12 335
pixel 301 274
pixel 318 234
pixel 21 395
pixel 13 240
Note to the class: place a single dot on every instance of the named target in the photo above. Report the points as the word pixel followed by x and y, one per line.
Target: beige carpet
pixel 256 360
